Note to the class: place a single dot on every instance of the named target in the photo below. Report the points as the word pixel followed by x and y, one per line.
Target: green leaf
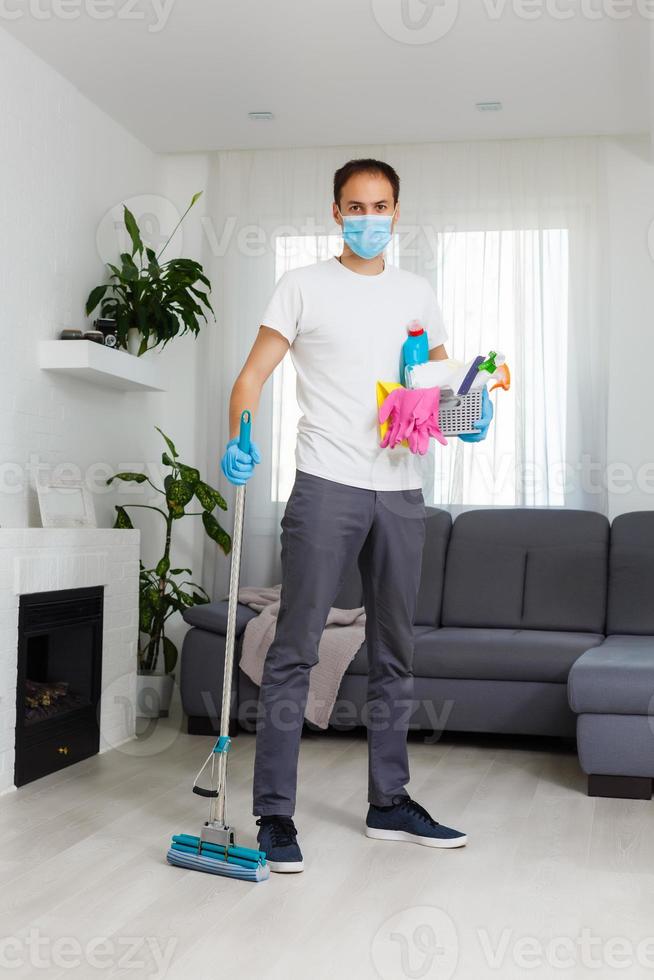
pixel 94 298
pixel 178 595
pixel 200 295
pixel 166 460
pixel 169 442
pixel 170 655
pixel 128 477
pixel 216 532
pixel 178 571
pixel 220 500
pixel 198 594
pixel 208 497
pixel 163 566
pixel 146 611
pixel 196 197
pixel 178 494
pixel 189 474
pixel 129 271
pixel 133 230
pixel 123 520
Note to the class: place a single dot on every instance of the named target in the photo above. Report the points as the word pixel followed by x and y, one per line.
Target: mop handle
pixel 237 536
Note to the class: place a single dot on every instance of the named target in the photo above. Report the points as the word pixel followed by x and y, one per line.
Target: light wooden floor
pixel 82 856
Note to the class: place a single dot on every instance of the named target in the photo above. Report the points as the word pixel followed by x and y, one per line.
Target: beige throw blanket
pixel 343 635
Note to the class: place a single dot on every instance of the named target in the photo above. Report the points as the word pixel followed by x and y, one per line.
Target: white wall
pixel 630 184
pixel 63 165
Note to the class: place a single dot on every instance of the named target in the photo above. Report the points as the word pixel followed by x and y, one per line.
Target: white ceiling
pixel 331 73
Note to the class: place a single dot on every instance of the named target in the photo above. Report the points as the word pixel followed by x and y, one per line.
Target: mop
pixel 215 850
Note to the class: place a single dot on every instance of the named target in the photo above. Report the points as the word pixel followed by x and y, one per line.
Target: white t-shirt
pixel 346 332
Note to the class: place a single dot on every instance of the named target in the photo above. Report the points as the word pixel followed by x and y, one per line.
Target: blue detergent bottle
pixel 415 349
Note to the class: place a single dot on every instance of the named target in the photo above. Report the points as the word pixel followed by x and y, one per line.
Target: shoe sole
pixel 286 867
pixel 415 838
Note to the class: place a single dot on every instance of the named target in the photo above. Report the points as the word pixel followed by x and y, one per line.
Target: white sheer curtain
pixel 510 234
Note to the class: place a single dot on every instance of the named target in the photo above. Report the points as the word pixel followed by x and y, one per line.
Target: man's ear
pixel 336 214
pixel 396 216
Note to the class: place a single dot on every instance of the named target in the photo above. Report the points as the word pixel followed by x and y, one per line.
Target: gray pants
pixel 325 527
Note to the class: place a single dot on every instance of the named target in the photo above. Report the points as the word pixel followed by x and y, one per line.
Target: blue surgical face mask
pixel 367 234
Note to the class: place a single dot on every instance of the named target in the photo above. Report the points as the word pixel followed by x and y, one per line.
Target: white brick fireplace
pixel 47 559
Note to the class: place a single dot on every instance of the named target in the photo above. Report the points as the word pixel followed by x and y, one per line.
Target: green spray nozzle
pixel 489 364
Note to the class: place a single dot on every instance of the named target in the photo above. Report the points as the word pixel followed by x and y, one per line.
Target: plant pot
pixel 153 694
pixel 134 338
pixel 134 341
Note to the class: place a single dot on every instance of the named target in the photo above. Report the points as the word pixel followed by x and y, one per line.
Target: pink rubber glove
pixel 398 408
pixel 425 416
pixel 419 440
pixel 427 424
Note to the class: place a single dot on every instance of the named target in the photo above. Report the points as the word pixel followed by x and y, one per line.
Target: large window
pixel 502 290
pixel 508 291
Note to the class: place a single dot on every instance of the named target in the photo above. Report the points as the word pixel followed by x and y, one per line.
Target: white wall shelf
pixel 101 365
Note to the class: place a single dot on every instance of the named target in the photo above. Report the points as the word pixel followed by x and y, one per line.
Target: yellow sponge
pixel 384 389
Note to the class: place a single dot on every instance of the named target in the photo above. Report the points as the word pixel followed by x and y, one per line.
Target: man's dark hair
pixel 370 166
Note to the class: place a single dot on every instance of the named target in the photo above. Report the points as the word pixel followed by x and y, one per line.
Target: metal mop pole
pixel 216 830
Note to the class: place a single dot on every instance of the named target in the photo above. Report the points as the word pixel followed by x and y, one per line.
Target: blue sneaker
pixel 278 838
pixel 407 820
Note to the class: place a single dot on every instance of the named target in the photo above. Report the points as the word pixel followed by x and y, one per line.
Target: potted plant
pixel 164 591
pixel 150 300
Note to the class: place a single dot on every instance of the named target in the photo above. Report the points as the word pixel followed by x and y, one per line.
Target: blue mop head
pixel 187 851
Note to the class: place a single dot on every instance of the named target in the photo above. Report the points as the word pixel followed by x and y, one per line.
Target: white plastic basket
pixel 458 413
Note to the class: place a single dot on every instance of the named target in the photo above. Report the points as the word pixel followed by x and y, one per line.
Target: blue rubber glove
pixel 481 424
pixel 238 466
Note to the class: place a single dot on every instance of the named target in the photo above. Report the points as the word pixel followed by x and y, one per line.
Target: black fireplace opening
pixel 59 679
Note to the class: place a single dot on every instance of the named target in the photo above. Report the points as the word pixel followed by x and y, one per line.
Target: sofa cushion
pixel 212 616
pixel 565 588
pixel 530 568
pixel 631 574
pixel 501 655
pixel 493 654
pixel 615 678
pixel 483 584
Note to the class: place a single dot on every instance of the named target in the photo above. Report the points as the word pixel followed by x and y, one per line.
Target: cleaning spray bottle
pixel 415 349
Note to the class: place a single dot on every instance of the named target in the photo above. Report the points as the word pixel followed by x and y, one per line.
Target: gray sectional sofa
pixel 529 622
pixel 611 686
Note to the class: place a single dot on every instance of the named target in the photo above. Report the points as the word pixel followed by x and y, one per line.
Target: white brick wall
pixel 43 559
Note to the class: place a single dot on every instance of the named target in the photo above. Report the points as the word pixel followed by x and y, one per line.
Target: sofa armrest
pixel 616 677
pixel 212 616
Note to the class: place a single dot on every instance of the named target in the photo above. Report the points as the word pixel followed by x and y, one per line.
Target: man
pixel 344 320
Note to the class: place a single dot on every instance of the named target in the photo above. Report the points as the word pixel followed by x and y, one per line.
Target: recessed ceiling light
pixel 488 106
pixel 261 116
